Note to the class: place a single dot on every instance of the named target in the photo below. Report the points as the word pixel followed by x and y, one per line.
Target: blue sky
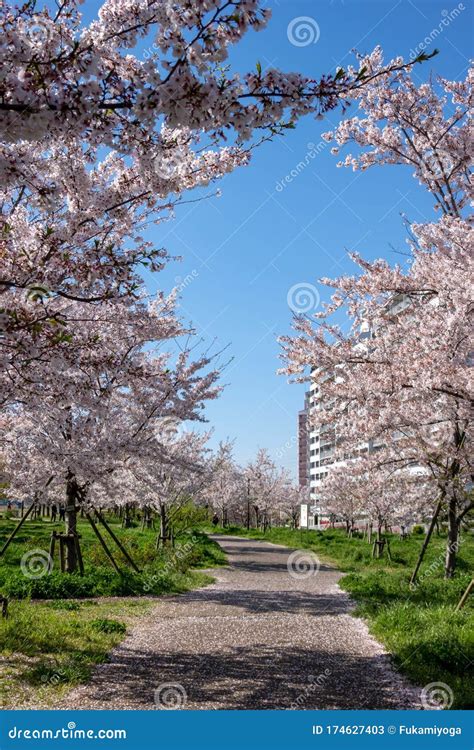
pixel 245 250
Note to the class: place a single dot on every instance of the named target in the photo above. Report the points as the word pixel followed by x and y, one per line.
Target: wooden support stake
pixel 427 539
pixel 102 542
pixel 16 529
pixel 61 554
pixel 52 545
pixel 117 541
pixel 464 597
pixel 79 554
pixel 4 603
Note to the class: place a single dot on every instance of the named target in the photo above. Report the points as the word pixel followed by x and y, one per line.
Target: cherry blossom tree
pixel 344 496
pixel 292 497
pixel 110 407
pixel 225 489
pixel 402 376
pixel 100 137
pixel 266 486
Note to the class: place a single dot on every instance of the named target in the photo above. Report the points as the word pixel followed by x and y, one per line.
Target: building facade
pixel 303 444
pixel 321 441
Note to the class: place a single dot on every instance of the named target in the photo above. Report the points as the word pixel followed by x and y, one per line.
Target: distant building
pixel 303 444
pixel 321 441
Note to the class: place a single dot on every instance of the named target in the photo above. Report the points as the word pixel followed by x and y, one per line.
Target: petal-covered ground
pixel 274 632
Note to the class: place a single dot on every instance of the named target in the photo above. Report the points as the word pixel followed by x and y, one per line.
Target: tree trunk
pixel 71 525
pixel 452 542
pixel 257 516
pixel 127 520
pixel 164 536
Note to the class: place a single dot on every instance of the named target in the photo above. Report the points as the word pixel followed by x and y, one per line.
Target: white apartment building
pixel 320 452
pixel 321 441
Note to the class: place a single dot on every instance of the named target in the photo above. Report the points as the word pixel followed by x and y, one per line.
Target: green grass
pixel 57 628
pixel 429 641
pixel 49 647
pixel 165 572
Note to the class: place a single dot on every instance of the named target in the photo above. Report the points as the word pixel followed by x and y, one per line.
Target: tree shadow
pixel 257 601
pixel 258 676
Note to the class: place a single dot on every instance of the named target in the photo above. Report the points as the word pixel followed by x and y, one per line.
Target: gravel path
pixel 261 637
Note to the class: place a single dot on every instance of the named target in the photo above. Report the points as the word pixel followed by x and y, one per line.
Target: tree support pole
pixel 79 554
pixel 465 596
pixel 16 529
pixel 117 541
pixel 102 542
pixel 427 539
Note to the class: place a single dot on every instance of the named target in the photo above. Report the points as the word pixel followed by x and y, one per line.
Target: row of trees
pixel 98 142
pixel 401 378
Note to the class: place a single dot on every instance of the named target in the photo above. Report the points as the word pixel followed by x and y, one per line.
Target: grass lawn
pixel 58 628
pixel 428 640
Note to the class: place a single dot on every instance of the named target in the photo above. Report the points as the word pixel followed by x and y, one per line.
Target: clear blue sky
pixel 249 247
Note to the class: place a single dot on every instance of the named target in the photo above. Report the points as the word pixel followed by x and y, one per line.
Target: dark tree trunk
pixel 452 542
pixel 164 535
pixel 71 561
pixel 257 516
